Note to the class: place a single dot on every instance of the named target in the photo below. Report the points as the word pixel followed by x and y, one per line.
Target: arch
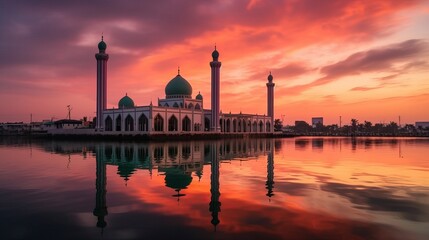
pixel 143 123
pixel 118 123
pixel 239 125
pixel 175 105
pixel 206 124
pixel 173 152
pixel 158 123
pixel 186 124
pixel 172 124
pixel 234 125
pixel 108 124
pixel 129 123
pixel 197 106
pixel 261 126
pixel 244 126
pixel 255 126
pixel 268 127
pixel 190 106
pixel 228 125
pixel 166 105
pixel 249 125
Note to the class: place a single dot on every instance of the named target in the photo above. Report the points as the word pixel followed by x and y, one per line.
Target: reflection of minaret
pixel 214 184
pixel 100 210
pixel 270 173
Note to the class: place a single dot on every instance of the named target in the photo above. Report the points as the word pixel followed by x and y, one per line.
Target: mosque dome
pixel 199 96
pixel 126 102
pixel 178 87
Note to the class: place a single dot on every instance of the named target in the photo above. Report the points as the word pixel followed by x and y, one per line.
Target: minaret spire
pixel 215 92
pixel 102 58
pixel 270 99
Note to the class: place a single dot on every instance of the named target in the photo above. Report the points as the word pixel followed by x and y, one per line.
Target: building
pixel 178 112
pixel 422 124
pixel 316 121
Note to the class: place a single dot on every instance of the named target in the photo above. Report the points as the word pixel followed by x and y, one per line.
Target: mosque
pixel 178 112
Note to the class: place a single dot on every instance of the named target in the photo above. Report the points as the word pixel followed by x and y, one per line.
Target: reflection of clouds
pixel 381 199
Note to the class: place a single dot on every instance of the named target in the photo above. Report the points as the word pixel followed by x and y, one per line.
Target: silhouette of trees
pixel 278 125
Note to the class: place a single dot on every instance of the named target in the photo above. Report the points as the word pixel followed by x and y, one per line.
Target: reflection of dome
pixel 126 102
pixel 199 96
pixel 178 87
pixel 125 170
pixel 176 179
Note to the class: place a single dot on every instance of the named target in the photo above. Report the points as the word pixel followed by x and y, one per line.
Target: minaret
pixel 102 58
pixel 100 210
pixel 270 99
pixel 215 94
pixel 214 184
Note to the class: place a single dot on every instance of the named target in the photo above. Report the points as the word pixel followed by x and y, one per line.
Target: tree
pixel 278 125
pixel 354 123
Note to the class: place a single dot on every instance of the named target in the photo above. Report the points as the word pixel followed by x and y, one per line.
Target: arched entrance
pixel 108 124
pixel 186 124
pixel 143 123
pixel 158 123
pixel 118 123
pixel 172 124
pixel 129 123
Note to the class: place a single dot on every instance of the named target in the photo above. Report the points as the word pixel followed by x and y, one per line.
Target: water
pixel 297 188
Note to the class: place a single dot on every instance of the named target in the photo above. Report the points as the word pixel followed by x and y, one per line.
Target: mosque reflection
pixel 178 162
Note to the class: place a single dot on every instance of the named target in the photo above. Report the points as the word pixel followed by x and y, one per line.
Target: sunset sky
pixel 363 59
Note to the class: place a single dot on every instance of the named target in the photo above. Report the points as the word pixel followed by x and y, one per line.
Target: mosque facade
pixel 178 112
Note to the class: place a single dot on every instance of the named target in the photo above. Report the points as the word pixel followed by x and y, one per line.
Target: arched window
pixel 197 106
pixel 176 105
pixel 255 126
pixel 143 123
pixel 261 126
pixel 190 105
pixel 244 126
pixel 239 125
pixel 172 124
pixel 186 124
pixel 228 125
pixel 206 124
pixel 129 123
pixel 249 125
pixel 118 123
pixel 158 123
pixel 234 125
pixel 166 105
pixel 108 124
pixel 268 127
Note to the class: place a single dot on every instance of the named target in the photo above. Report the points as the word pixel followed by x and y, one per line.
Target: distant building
pixel 316 120
pixel 422 124
pixel 68 124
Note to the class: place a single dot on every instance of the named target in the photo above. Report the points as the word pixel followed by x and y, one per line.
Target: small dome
pixel 102 45
pixel 215 55
pixel 199 96
pixel 178 87
pixel 126 102
pixel 270 77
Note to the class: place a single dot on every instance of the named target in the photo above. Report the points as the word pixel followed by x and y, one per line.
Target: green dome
pixel 102 46
pixel 178 87
pixel 126 102
pixel 199 96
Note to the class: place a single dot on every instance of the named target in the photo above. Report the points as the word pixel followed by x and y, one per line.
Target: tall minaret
pixel 102 58
pixel 215 65
pixel 270 99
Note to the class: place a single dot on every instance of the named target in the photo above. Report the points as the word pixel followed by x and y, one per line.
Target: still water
pixel 296 188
